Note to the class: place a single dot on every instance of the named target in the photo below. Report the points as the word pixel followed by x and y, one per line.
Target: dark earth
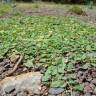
pixel 85 75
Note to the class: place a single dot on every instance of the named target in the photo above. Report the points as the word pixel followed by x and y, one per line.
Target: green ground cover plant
pixel 77 10
pixel 56 43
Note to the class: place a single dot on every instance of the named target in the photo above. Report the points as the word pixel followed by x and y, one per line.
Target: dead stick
pixel 16 66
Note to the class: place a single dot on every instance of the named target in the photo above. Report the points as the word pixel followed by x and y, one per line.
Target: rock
pixel 92 86
pixel 75 94
pixel 6 61
pixel 1 91
pixel 1 69
pixel 2 64
pixel 94 81
pixel 9 89
pixel 86 83
pixel 21 93
pixel 30 81
pixel 25 69
pixel 89 78
pixel 79 74
pixel 94 73
pixel 87 94
pixel 94 91
pixel 1 77
pixel 55 91
pixel 88 89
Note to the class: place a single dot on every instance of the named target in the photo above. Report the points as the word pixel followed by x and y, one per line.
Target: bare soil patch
pixel 89 18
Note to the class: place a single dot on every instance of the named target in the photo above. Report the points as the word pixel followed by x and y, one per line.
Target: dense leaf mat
pixel 60 44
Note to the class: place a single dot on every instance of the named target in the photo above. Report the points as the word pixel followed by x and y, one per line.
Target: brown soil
pixel 89 18
pixel 84 76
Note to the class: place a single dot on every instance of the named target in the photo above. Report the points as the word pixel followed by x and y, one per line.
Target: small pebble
pixel 94 91
pixel 92 86
pixel 94 74
pixel 9 89
pixel 1 91
pixel 75 94
pixel 89 78
pixel 21 94
pixel 88 89
pixel 55 91
pixel 24 69
pixel 2 69
pixel 87 94
pixel 94 81
pixel 6 61
pixel 80 73
pixel 2 64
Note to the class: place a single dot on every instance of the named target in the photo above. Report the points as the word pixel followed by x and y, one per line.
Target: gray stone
pixel 79 73
pixel 87 94
pixel 21 94
pixel 1 69
pixel 94 91
pixel 9 89
pixel 56 91
pixel 89 78
pixel 1 91
pixel 24 69
pixel 6 61
pixel 2 64
pixel 30 81
pixel 75 94
pixel 88 89
pixel 94 81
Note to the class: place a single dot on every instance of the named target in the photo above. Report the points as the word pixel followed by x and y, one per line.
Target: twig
pixel 15 67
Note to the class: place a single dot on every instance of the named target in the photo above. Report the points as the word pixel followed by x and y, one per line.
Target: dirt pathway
pixel 90 18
